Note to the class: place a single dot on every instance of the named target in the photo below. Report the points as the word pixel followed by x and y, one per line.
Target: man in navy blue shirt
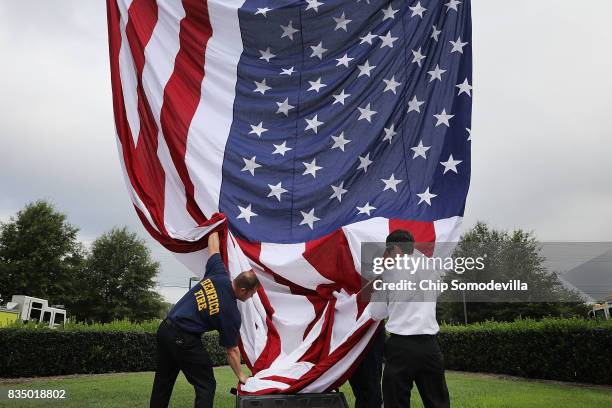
pixel 209 305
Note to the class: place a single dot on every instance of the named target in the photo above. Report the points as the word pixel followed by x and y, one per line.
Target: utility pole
pixel 192 279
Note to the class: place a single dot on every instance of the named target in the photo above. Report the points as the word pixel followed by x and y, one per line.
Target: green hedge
pixel 555 349
pixel 149 326
pixel 28 352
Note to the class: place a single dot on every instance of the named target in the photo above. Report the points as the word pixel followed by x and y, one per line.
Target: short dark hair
pixel 246 280
pixel 401 239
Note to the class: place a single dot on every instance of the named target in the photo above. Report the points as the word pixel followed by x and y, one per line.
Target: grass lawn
pixel 467 390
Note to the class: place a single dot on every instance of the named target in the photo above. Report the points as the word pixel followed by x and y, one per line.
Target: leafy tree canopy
pixel 509 256
pixel 39 254
pixel 119 275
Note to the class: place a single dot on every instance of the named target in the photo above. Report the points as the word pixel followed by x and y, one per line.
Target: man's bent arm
pixel 233 358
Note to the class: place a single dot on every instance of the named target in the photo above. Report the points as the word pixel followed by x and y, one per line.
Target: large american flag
pixel 299 129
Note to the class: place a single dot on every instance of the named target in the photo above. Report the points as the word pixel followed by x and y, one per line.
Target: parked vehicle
pixel 602 310
pixel 28 308
pixel 7 315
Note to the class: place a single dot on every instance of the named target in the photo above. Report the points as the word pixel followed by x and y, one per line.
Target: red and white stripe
pixel 173 71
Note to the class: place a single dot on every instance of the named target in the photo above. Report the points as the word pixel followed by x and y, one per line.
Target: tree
pixel 119 277
pixel 509 256
pixel 40 255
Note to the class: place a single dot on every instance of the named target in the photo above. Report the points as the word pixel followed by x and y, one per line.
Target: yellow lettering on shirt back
pixel 211 296
pixel 200 299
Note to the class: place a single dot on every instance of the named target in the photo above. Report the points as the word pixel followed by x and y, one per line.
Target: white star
pixel 311 168
pixel 316 85
pixel 339 141
pixel 420 150
pixel 451 164
pixel 366 113
pixel 318 50
pixel 258 130
pixel 389 133
pixel 246 213
pixel 469 134
pixel 436 33
pixel 339 98
pixel 426 196
pixel 452 5
pixel 309 218
pixel 392 84
pixel 341 22
pixel 313 124
pixel 365 69
pixel 389 13
pixel 338 191
pixel 418 10
pixel 284 107
pixel 281 149
pixel 288 30
pixel 368 38
pixel 387 40
pixel 365 162
pixel 436 74
pixel 263 11
pixel 344 60
pixel 465 87
pixel 443 118
pixel 266 55
pixel 418 57
pixel 365 209
pixel 262 87
pixel 250 165
pixel 288 71
pixel 458 45
pixel 391 183
pixel 415 105
pixel 276 191
pixel 313 4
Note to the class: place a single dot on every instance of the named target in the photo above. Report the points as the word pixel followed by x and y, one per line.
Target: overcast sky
pixel 542 141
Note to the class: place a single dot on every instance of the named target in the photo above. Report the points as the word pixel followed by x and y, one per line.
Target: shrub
pixel 30 351
pixel 555 349
pixel 148 326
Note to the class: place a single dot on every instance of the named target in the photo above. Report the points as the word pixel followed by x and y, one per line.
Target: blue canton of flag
pixel 347 110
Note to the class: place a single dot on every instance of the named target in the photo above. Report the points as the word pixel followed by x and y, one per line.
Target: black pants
pixel 415 359
pixel 179 350
pixel 365 380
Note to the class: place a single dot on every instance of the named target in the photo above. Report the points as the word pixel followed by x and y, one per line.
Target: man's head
pixel 245 285
pixel 399 242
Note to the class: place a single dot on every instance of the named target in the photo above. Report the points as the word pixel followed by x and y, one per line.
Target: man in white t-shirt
pixel 412 354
